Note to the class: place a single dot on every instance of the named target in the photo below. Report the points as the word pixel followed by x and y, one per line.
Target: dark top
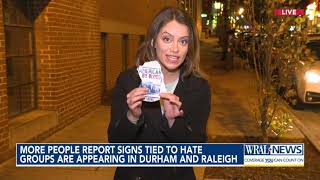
pixel 152 127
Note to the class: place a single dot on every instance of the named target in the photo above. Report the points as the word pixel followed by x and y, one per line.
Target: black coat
pixel 152 127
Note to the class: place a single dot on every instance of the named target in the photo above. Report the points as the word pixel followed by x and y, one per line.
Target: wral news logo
pixel 274 149
pixel 273 155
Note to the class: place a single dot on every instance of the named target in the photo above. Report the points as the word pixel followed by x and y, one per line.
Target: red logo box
pixel 289 12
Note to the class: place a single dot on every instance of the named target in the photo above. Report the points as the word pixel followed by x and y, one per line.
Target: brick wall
pixel 68 58
pixel 117 18
pixel 133 44
pixel 129 14
pixel 4 130
pixel 114 54
pixel 114 58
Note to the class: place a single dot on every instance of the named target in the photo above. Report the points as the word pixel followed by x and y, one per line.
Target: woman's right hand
pixel 134 101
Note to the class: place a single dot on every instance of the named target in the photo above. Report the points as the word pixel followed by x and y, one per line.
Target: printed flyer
pixel 152 78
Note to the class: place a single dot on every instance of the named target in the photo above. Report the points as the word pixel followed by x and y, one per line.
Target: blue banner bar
pixel 131 155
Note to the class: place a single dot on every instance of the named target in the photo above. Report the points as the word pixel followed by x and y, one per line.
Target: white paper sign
pixel 152 78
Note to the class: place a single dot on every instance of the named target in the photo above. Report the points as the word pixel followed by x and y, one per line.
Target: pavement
pixel 308 121
pixel 233 95
pixel 89 129
pixel 233 99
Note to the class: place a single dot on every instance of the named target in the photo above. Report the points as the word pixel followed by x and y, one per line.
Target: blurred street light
pixel 241 10
pixel 217 5
pixel 310 12
pixel 203 15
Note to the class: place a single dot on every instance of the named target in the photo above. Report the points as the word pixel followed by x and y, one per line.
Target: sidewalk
pixel 233 97
pixel 229 121
pixel 91 128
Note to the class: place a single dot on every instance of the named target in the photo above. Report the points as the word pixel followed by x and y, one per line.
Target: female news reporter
pixel 182 115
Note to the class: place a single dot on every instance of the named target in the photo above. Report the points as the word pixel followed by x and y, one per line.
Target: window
pixel 20 59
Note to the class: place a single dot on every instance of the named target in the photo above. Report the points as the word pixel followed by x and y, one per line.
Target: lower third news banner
pixel 153 155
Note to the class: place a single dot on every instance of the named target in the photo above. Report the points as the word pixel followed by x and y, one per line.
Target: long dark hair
pixel 147 52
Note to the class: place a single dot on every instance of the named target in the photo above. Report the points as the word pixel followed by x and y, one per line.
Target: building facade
pixel 59 59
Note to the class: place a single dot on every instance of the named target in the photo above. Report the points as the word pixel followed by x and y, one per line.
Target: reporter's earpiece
pixel 151 42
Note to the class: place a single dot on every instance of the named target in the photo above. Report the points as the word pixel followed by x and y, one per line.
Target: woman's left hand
pixel 171 105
